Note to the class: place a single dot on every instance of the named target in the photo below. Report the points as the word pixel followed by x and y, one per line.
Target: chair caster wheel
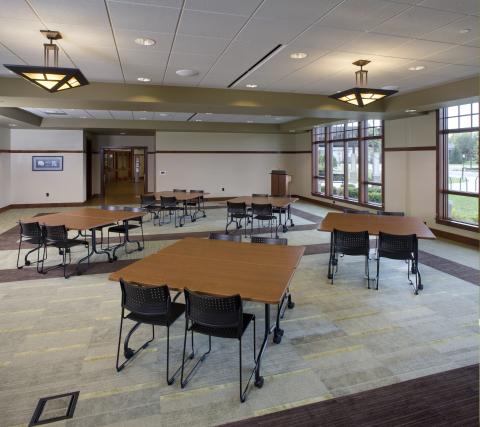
pixel 114 258
pixel 277 339
pixel 259 382
pixel 242 399
pixel 290 304
pixel 193 220
pixel 181 225
pixel 20 267
pixel 27 262
pixel 170 382
pixel 128 353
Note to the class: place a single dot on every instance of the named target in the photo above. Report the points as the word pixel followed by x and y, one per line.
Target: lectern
pixel 280 183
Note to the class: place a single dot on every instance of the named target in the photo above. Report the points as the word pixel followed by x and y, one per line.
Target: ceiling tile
pixel 454 32
pixel 185 44
pixel 166 3
pixel 416 21
pixel 459 55
pixel 419 49
pixel 126 40
pixel 235 7
pixel 78 12
pixel 362 14
pixel 373 43
pixel 210 24
pixel 143 17
pixel 306 10
pixel 122 115
pixel 467 7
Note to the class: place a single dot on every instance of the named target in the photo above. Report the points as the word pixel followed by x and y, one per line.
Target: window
pixel 458 153
pixel 348 162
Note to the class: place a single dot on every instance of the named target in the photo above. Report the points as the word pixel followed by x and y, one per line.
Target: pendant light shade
pixel 362 95
pixel 51 78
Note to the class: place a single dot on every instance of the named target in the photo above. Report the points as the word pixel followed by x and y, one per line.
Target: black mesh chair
pixel 198 204
pixel 390 213
pixel 230 237
pixel 350 243
pixel 125 228
pixel 236 212
pixel 264 212
pixel 149 306
pixel 31 233
pixel 57 236
pixel 169 205
pixel 278 333
pixel 221 317
pixel 402 248
pixel 259 195
pixel 355 211
pixel 177 190
pixel 149 203
pixel 101 227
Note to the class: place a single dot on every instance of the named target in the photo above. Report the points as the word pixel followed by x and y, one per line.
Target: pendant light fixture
pixel 361 95
pixel 50 76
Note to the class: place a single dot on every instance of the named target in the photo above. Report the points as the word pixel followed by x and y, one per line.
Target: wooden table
pixel 82 219
pixel 184 197
pixel 260 273
pixel 401 225
pixel 281 203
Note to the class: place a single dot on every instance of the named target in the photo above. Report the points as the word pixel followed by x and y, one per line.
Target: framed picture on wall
pixel 47 163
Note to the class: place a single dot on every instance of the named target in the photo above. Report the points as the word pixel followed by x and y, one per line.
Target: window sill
pixel 457 224
pixel 349 202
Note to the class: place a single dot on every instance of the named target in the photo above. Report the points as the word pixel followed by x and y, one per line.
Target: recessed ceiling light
pixel 198 120
pixel 144 79
pixel 186 73
pixel 251 85
pixel 249 121
pixel 292 130
pixel 298 55
pixel 208 114
pixel 145 41
pixel 391 87
pixel 123 133
pixel 410 110
pixel 465 31
pixel 143 118
pixel 278 118
pixel 84 117
pixel 13 125
pixel 416 68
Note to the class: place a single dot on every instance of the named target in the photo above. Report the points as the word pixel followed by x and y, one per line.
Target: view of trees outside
pixel 338 168
pixel 352 169
pixel 462 154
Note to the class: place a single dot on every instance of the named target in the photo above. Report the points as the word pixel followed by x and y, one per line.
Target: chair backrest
pixel 259 195
pixel 236 208
pixel 355 211
pixel 230 237
pixel 177 190
pixel 145 300
pixel 168 202
pixel 390 213
pixel 351 242
pixel 214 312
pixel 197 191
pixel 55 233
pixel 269 240
pixel 262 209
pixel 147 199
pixel 111 208
pixel 397 246
pixel 30 229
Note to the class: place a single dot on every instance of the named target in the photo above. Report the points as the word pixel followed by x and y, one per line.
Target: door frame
pixel 129 147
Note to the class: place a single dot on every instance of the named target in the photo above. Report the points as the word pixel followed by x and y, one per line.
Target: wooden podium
pixel 280 183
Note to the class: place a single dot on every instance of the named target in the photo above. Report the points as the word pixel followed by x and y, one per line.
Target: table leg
pixel 126 240
pixel 258 378
pixel 277 331
pixel 330 260
pixel 94 250
pixel 290 217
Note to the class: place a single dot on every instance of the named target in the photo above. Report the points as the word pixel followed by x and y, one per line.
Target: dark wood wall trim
pixel 229 152
pixel 5 208
pixel 426 148
pixel 42 151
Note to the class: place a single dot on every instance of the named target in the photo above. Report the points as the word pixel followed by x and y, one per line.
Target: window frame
pixel 443 192
pixel 325 138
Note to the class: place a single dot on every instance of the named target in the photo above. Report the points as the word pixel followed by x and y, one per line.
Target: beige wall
pixel 112 141
pixel 28 186
pixel 4 168
pixel 237 173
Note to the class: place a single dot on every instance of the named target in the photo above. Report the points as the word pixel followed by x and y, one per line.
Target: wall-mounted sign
pixel 47 163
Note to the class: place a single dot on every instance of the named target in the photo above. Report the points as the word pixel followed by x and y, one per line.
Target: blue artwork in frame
pixel 47 163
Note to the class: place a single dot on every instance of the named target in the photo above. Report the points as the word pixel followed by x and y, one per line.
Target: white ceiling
pixel 223 38
pixel 150 115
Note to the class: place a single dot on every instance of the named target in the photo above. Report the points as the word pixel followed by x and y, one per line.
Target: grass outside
pixel 464 209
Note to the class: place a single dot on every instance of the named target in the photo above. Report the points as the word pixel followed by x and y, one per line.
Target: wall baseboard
pixel 5 208
pixel 43 205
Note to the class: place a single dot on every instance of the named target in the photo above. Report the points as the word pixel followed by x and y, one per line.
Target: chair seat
pixel 223 332
pixel 100 227
pixel 33 240
pixel 277 210
pixel 353 251
pixel 67 244
pixel 239 215
pixel 121 228
pixel 265 217
pixel 176 310
pixel 395 255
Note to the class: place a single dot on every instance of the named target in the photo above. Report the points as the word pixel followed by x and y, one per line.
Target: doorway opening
pixel 124 174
